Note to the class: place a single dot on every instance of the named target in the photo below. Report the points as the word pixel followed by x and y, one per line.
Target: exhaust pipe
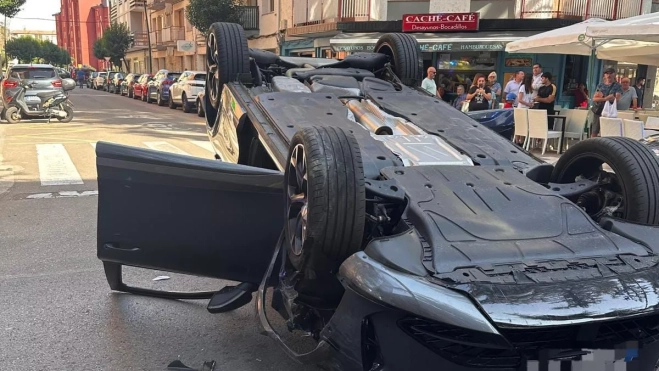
pixel 369 115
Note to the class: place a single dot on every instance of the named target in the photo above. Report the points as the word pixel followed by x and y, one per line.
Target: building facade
pixel 36 34
pixel 457 49
pixel 78 25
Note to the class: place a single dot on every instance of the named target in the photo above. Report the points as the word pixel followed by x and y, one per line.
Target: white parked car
pixel 99 81
pixel 185 90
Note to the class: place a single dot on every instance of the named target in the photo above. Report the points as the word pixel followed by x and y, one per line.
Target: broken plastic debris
pixel 161 278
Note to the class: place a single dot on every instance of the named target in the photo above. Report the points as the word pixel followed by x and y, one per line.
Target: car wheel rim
pixel 211 64
pixel 297 200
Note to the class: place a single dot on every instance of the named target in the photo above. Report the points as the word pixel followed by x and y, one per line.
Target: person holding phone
pixel 479 95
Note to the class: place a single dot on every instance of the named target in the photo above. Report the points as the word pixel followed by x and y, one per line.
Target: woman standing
pixel 526 93
pixel 479 95
pixel 496 89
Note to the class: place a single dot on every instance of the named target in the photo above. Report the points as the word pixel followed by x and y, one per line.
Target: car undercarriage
pixel 383 219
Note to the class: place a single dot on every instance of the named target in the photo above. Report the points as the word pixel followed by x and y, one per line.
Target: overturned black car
pixel 394 230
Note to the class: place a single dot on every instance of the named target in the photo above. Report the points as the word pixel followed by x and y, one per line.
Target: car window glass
pixel 200 77
pixel 33 73
pixel 173 76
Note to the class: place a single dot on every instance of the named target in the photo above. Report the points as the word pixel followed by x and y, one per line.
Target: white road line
pixel 62 194
pixel 204 144
pixel 165 147
pixel 55 166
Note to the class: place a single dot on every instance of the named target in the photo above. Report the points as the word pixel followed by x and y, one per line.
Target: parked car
pixel 200 103
pixel 90 80
pixel 384 225
pixel 99 81
pixel 128 84
pixel 185 90
pixel 140 87
pixel 43 78
pixel 113 82
pixel 158 88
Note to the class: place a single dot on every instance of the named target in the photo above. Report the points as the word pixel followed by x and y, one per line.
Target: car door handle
pixel 118 246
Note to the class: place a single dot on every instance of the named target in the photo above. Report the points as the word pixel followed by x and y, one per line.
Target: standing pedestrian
pixel 628 98
pixel 496 89
pixel 81 78
pixel 513 85
pixel 457 103
pixel 607 90
pixel 428 84
pixel 639 87
pixel 479 94
pixel 527 94
pixel 537 76
pixel 546 96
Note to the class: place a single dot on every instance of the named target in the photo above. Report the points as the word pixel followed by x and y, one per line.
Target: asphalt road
pixel 57 310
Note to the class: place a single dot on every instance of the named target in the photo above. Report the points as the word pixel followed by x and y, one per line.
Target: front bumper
pixel 499 332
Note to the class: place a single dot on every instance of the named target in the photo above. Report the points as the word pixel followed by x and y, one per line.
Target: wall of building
pixel 396 9
pixel 502 9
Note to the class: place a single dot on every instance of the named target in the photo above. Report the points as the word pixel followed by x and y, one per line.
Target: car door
pixel 185 214
pixel 176 88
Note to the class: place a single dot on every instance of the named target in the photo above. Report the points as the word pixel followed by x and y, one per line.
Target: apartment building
pixel 40 35
pixel 78 25
pixel 132 14
pixel 468 37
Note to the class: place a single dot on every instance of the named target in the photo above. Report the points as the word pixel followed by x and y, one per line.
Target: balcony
pixel 320 16
pixel 173 1
pixel 173 34
pixel 249 17
pixel 140 41
pixel 156 37
pixel 580 9
pixel 156 4
pixel 136 4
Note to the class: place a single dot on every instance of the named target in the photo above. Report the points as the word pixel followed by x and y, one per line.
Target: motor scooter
pixel 48 105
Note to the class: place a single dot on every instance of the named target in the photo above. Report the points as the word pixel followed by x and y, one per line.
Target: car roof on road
pixel 32 65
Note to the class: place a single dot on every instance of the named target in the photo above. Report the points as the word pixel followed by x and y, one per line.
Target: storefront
pixel 459 56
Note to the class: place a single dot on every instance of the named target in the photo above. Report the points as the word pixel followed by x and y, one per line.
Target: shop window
pixel 459 68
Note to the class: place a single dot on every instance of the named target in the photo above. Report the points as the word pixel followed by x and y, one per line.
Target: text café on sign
pixel 441 22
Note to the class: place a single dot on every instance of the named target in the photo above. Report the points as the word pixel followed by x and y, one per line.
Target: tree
pixel 50 53
pixel 100 51
pixel 24 48
pixel 9 8
pixel 202 13
pixel 116 41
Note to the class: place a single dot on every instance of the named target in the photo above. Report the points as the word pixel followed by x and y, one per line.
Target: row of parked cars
pixel 174 89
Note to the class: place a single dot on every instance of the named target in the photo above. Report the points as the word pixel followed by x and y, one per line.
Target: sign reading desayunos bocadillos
pixel 441 22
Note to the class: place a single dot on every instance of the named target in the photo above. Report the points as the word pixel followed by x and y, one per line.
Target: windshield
pixel 173 76
pixel 200 77
pixel 33 73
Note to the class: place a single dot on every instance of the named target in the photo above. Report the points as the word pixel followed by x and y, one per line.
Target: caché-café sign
pixel 441 22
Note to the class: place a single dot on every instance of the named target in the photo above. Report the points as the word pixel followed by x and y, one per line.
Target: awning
pixel 433 42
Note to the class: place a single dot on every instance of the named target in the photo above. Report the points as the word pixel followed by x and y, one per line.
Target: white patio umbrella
pixel 633 39
pixel 565 40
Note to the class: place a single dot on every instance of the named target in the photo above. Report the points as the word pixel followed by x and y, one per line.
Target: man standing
pixel 457 103
pixel 640 89
pixel 537 76
pixel 546 96
pixel 513 86
pixel 81 78
pixel 628 97
pixel 608 89
pixel 429 84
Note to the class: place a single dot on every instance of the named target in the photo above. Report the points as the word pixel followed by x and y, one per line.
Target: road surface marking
pixel 6 171
pixel 203 144
pixel 165 147
pixel 62 194
pixel 55 166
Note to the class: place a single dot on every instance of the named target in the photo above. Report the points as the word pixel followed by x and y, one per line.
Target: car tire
pixel 69 115
pixel 634 164
pixel 148 97
pixel 200 109
pixel 129 94
pixel 329 225
pixel 186 105
pixel 170 102
pixel 227 55
pixel 159 100
pixel 405 55
pixel 9 115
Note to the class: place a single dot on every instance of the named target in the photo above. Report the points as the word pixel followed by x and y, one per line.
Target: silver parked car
pixel 43 78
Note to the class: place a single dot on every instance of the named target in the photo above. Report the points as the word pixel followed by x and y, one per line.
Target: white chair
pixel 652 123
pixel 626 115
pixel 633 129
pixel 576 123
pixel 521 117
pixel 538 129
pixel 610 127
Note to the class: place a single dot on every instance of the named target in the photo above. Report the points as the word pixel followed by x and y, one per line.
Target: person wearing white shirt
pixel 513 86
pixel 429 84
pixel 527 93
pixel 537 76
